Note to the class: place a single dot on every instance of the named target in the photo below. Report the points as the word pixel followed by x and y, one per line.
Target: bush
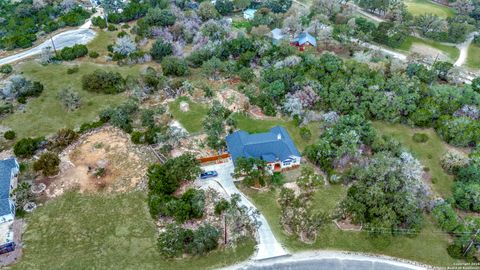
pixel 111 27
pixel 89 126
pixel 160 49
pixel 62 139
pixel 99 22
pixel 72 70
pixel 305 133
pixel 174 66
pixel 420 137
pixel 454 160
pixel 71 53
pixel 101 81
pixel 26 147
pixel 93 54
pixel 137 137
pixel 9 135
pixel 6 69
pixel 221 206
pixel 47 164
pixel 246 75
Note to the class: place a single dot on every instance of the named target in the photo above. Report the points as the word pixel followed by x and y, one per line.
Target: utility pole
pixel 53 45
pixel 472 241
pixel 225 229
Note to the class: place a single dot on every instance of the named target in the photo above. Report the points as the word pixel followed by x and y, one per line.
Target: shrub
pixel 420 137
pixel 160 49
pixel 9 135
pixel 305 133
pixel 62 139
pixel 174 66
pixel 99 22
pixel 112 27
pixel 246 75
pixel 72 70
pixel 47 164
pixel 101 81
pixel 221 206
pixel 93 54
pixel 137 137
pixel 26 147
pixel 89 126
pixel 71 53
pixel 454 160
pixel 6 69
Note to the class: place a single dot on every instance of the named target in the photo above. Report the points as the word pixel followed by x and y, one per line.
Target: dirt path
pixel 463 47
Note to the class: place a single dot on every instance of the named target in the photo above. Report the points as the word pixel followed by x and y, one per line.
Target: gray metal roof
pixel 6 168
pixel 269 146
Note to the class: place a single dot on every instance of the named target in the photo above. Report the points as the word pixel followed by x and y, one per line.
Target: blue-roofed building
pixel 275 147
pixel 8 174
pixel 303 40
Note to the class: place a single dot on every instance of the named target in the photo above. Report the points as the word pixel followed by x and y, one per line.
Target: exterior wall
pixel 285 165
pixel 6 218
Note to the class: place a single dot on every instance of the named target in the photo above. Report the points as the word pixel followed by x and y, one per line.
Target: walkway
pixel 268 246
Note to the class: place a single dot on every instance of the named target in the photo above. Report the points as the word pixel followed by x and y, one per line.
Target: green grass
pixel 428 247
pixel 78 231
pixel 419 7
pixel 429 153
pixel 255 125
pixel 45 114
pixel 473 60
pixel 101 41
pixel 450 51
pixel 192 120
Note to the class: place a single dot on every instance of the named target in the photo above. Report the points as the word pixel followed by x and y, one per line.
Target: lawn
pixel 473 60
pixel 45 114
pixel 429 153
pixel 251 125
pixel 101 41
pixel 192 120
pixel 427 247
pixel 451 51
pixel 78 231
pixel 419 7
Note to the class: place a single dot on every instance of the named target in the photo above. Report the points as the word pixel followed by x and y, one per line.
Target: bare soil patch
pixel 428 51
pixel 102 160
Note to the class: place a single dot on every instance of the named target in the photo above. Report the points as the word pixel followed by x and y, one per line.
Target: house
pixel 303 40
pixel 9 169
pixel 275 147
pixel 248 14
pixel 277 36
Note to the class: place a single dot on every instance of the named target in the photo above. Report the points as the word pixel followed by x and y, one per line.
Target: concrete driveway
pixel 267 245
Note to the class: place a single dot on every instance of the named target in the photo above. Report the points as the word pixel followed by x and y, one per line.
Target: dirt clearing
pixel 102 160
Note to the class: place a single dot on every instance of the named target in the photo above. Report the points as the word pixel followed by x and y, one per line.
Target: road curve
pixel 329 260
pixel 267 246
pixel 82 35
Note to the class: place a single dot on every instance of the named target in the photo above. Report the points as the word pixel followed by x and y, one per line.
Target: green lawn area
pixel 429 153
pixel 45 114
pixel 78 231
pixel 255 125
pixel 451 51
pixel 419 7
pixel 101 41
pixel 473 60
pixel 191 120
pixel 427 247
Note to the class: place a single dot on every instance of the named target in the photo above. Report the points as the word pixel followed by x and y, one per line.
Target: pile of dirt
pixel 102 160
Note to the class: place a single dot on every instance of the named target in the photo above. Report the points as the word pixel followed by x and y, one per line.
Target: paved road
pixel 463 47
pixel 82 35
pixel 268 246
pixel 328 260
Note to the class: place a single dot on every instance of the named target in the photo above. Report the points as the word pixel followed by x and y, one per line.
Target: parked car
pixel 208 174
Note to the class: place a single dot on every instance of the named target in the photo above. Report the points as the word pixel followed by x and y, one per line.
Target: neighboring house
pixel 248 14
pixel 8 182
pixel 275 147
pixel 303 40
pixel 277 36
